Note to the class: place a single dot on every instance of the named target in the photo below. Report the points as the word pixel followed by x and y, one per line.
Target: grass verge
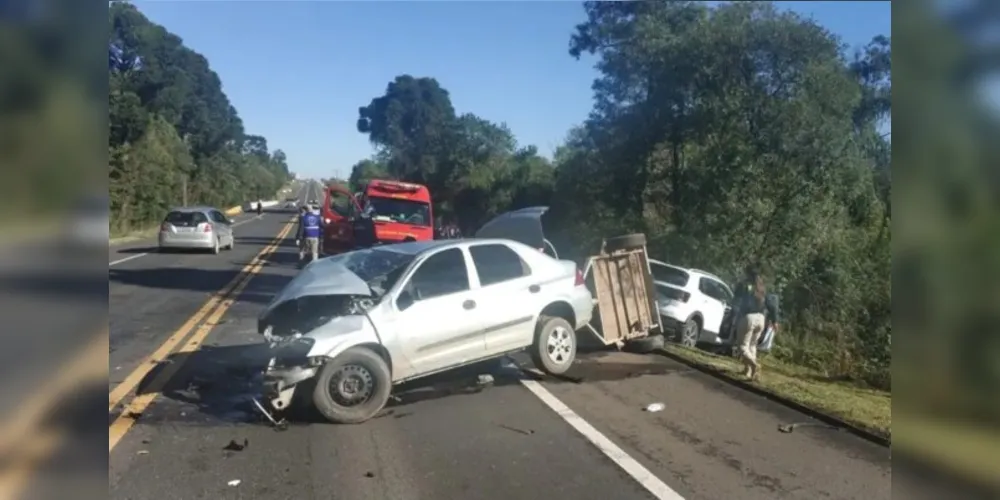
pixel 865 408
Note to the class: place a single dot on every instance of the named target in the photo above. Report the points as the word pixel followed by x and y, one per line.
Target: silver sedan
pixel 196 228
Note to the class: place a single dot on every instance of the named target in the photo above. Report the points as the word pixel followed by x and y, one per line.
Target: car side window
pixel 497 263
pixel 712 289
pixel 443 273
pixel 218 216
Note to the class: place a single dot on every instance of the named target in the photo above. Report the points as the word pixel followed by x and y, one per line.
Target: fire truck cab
pixel 383 212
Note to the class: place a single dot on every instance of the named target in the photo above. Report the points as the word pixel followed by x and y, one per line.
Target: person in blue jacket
pixel 308 234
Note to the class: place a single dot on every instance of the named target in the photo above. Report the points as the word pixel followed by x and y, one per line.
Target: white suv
pixel 692 303
pixel 696 307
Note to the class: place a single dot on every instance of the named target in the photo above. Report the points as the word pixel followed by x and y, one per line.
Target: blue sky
pixel 297 71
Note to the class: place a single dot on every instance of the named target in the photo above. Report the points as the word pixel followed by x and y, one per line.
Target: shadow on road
pixel 221 382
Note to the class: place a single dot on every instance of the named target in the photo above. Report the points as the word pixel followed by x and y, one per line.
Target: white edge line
pixel 633 468
pixel 136 256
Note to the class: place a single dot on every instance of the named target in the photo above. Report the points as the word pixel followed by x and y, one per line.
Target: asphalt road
pixel 585 436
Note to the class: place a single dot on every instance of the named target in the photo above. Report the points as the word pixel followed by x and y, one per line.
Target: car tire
pixel 371 371
pixel 625 242
pixel 215 249
pixel 689 333
pixel 232 243
pixel 554 349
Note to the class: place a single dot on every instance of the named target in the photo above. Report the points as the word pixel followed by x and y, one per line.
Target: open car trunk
pixel 523 226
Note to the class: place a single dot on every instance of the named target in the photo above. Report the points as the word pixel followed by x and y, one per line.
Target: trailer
pixel 619 277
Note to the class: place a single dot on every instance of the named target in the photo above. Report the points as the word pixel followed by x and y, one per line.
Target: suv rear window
pixel 671 275
pixel 186 219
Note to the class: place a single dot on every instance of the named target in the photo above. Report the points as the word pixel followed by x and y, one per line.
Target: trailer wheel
pixel 555 345
pixel 623 242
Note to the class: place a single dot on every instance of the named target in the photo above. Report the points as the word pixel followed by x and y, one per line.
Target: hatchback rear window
pixel 670 275
pixel 186 219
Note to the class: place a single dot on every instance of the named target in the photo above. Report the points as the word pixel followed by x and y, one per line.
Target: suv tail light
pixel 207 228
pixel 579 279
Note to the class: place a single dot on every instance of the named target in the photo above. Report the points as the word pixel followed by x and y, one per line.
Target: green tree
pixel 174 137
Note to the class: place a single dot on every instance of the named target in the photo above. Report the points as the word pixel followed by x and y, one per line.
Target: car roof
pixel 418 247
pixel 692 271
pixel 192 209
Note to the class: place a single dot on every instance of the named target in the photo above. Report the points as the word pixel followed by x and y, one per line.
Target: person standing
pixel 752 305
pixel 308 234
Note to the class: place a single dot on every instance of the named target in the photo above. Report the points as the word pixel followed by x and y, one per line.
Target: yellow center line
pixel 137 405
pixel 122 390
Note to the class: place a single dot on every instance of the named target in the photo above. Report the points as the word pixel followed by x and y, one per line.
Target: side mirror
pixel 231 221
pixel 404 301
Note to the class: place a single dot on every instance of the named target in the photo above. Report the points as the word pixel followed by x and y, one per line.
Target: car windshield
pixel 379 268
pixel 406 211
pixel 670 275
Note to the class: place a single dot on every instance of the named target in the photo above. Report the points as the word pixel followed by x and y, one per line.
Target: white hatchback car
pixel 363 321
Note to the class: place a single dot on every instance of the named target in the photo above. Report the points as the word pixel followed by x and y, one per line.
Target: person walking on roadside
pixel 751 302
pixel 307 236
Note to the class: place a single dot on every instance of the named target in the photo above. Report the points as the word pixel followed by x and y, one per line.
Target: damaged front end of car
pixel 321 312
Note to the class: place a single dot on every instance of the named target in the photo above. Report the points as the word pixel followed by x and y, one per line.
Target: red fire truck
pixel 384 212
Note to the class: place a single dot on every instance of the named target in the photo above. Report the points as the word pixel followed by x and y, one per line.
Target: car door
pixel 506 295
pixel 714 301
pixel 438 316
pixel 339 206
pixel 221 222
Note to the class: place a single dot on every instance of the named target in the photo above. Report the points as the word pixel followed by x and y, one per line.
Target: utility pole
pixel 184 190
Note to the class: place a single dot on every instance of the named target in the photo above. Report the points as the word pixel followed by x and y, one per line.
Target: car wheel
pixel 555 345
pixel 215 249
pixel 353 387
pixel 232 243
pixel 689 333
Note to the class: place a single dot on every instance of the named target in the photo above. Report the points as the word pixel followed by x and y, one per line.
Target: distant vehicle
pixel 386 212
pixel 291 203
pixel 366 320
pixel 196 228
pixel 696 306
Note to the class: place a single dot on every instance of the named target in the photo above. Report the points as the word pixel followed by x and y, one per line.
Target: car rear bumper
pixel 201 241
pixel 583 306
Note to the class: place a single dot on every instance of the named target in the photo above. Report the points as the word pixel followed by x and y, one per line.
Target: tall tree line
pixel 728 134
pixel 174 137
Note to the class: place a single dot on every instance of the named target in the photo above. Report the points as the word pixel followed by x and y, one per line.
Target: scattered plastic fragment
pixel 234 446
pixel 654 407
pixel 485 379
pixel 234 482
pixel 143 452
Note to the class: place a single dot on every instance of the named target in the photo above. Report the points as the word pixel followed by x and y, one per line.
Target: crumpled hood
pixel 326 276
pixel 523 226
